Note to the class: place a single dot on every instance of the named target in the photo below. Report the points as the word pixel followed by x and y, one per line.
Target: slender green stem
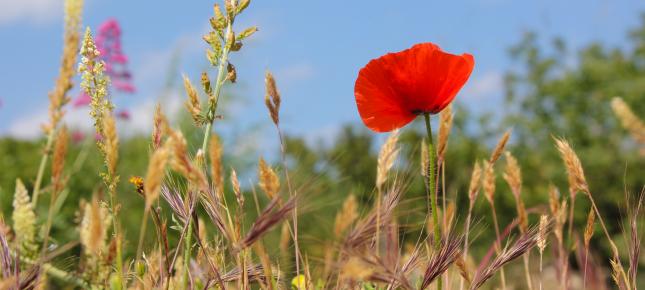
pixel 219 81
pixel 41 167
pixel 187 249
pixel 142 231
pixel 433 192
pixel 211 115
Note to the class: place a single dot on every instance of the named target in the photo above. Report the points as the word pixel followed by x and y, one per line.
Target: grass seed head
pixel 628 119
pixel 499 149
pixel 387 156
pixel 269 181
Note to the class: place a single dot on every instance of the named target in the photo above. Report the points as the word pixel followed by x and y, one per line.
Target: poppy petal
pixel 376 100
pixel 391 90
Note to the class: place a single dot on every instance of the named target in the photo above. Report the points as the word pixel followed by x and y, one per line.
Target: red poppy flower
pixel 393 89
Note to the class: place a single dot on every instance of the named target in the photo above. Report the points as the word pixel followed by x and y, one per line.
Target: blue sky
pixel 315 49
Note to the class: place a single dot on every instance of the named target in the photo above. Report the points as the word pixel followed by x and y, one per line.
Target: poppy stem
pixel 433 192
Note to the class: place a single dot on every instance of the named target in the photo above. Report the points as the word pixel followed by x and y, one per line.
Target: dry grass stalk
pixel 618 275
pixel 155 175
pixel 591 219
pixel 269 181
pixel 445 124
pixel 269 217
pixel 523 244
pixel 58 97
pixel 58 160
pixel 473 190
pixel 364 231
pixel 463 269
pixel 489 192
pixel 215 155
pixel 387 156
pixel 272 97
pixel 554 199
pixel 499 149
pixel 441 260
pixel 192 104
pixel 159 127
pixel 346 216
pixel 513 176
pixel 475 182
pixel 239 196
pixel 628 119
pixel 182 163
pixel 577 181
pixel 634 215
pixel 489 182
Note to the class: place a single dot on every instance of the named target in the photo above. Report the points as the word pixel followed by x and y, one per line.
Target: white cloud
pixel 37 11
pixel 295 72
pixel 141 114
pixel 488 85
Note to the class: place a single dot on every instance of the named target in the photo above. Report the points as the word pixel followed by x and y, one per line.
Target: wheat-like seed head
pixel 111 141
pixel 269 181
pixel 182 163
pixel 236 189
pixel 499 149
pixel 475 182
pixel 155 175
pixel 346 216
pixel 591 219
pixel 560 220
pixel 554 199
pixel 577 181
pixel 489 181
pixel 58 159
pixel 513 175
pixel 445 124
pixel 463 270
pixel 215 155
pixel 192 104
pixel 160 126
pixel 542 232
pixel 272 97
pixel 628 119
pixel 387 156
pixel 58 97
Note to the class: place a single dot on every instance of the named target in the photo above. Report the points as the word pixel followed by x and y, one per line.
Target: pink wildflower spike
pixel 108 42
pixel 82 100
pixel 123 115
pixel 77 136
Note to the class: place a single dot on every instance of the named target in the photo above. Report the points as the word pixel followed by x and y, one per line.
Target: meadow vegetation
pixel 545 194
